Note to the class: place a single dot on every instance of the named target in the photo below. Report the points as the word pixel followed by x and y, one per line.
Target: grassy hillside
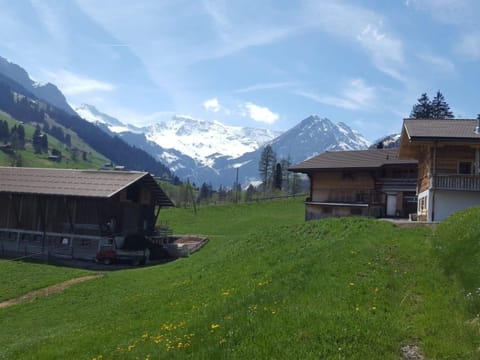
pixel 267 285
pixel 70 160
pixel 456 242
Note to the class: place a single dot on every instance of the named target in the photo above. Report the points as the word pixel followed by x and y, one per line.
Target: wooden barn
pixel 67 212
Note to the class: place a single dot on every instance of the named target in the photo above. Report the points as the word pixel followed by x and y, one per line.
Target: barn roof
pixel 84 183
pixel 351 160
pixel 441 129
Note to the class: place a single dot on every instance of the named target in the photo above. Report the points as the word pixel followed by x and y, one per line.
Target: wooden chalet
pixel 366 182
pixel 448 154
pixel 66 212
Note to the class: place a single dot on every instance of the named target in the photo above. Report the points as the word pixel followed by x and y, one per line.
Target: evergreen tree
pixel 205 193
pixel 4 131
pixel 37 140
pixel 44 143
pixel 266 166
pixel 250 193
pixel 440 108
pixel 21 135
pixel 423 109
pixel 278 176
pixel 68 140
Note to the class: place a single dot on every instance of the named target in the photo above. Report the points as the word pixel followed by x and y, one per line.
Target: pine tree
pixel 21 135
pixel 266 167
pixel 44 143
pixel 250 193
pixel 37 140
pixel 440 108
pixel 278 176
pixel 423 109
pixel 4 132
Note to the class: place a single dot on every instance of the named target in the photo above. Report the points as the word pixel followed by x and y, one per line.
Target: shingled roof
pixel 439 129
pixel 67 182
pixel 351 160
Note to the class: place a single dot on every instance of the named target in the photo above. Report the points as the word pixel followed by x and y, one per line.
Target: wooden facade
pixel 71 210
pixel 448 154
pixel 367 183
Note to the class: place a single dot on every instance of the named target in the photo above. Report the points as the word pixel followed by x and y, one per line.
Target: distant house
pixel 448 154
pixel 69 211
pixel 365 182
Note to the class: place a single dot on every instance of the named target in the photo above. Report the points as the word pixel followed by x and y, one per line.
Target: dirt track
pixel 53 289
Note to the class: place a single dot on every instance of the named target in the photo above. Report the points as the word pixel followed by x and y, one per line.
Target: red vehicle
pixel 109 252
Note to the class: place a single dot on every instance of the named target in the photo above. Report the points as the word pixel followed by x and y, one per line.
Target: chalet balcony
pixel 396 184
pixel 350 197
pixel 455 182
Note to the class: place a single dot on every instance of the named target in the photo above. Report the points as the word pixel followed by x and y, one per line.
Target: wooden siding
pixel 448 158
pixel 325 184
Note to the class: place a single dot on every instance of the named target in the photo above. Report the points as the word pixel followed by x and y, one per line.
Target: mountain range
pixel 210 152
pixel 198 150
pixel 44 91
pixel 44 107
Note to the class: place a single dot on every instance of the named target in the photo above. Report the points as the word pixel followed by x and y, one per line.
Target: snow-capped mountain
pixel 315 135
pixel 310 137
pixel 387 142
pixel 91 114
pixel 44 91
pixel 211 152
pixel 206 141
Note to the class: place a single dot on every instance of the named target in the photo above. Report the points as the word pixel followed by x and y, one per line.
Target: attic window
pixel 465 167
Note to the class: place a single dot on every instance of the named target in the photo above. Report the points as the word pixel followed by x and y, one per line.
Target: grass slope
pixel 266 286
pixel 19 278
pixel 30 159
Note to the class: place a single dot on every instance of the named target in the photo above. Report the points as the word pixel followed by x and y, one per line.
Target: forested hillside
pixel 23 106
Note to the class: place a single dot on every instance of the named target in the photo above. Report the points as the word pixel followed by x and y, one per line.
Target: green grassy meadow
pixel 30 159
pixel 267 286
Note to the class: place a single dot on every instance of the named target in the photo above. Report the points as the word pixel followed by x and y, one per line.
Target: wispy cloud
pixel 260 113
pixel 74 84
pixel 440 63
pixel 469 46
pixel 357 95
pixel 251 38
pixel 453 12
pixel 52 19
pixel 265 86
pixel 365 27
pixel 385 50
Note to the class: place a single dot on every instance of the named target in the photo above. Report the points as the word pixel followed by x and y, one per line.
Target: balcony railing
pixel 351 197
pixel 456 182
pixel 398 184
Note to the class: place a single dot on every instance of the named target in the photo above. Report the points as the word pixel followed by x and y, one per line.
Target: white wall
pixel 448 202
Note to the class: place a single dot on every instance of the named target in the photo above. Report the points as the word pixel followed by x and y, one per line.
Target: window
pixel 465 167
pixel 422 205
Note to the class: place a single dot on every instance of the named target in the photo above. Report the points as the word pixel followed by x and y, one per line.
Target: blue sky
pixel 257 63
